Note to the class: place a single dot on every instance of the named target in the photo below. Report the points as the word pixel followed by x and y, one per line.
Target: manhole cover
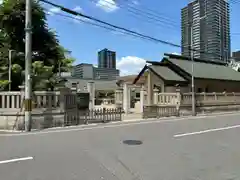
pixel 132 142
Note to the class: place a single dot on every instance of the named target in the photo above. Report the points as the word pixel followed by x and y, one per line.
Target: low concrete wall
pixel 187 110
pixel 155 111
pixel 8 117
pixel 41 118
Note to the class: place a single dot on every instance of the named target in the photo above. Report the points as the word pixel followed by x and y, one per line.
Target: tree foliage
pixel 47 53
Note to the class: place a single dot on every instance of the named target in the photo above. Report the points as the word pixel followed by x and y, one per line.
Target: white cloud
pixel 130 65
pixel 136 2
pixel 176 53
pixel 79 19
pixel 78 9
pixel 1 1
pixel 107 5
pixel 53 10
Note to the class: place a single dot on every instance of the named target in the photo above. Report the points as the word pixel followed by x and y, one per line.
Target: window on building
pixel 137 95
pixel 74 85
pixel 206 89
pixel 199 90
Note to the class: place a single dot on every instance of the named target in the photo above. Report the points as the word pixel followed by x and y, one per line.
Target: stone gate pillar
pixel 91 90
pixel 119 97
pixel 142 98
pixel 150 89
pixel 126 98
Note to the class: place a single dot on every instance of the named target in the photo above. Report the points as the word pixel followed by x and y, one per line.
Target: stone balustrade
pixel 10 100
pixel 41 99
pixel 200 98
pixel 45 99
pixel 205 99
pixel 173 104
pixel 165 98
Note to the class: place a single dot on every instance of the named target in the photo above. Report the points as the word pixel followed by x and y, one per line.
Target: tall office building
pixel 88 71
pixel 83 71
pixel 206 29
pixel 106 59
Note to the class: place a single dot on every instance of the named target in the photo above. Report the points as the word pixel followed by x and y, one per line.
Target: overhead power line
pixel 145 16
pixel 153 12
pixel 125 30
pixel 95 24
pixel 98 25
pixel 108 24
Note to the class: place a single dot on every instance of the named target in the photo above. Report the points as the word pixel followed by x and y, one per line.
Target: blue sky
pixel 85 40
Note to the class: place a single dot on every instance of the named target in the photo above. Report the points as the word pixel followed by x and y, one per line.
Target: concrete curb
pixel 184 116
pixel 126 121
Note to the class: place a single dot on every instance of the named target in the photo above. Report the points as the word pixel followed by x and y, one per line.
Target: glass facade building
pixel 107 59
pixel 206 29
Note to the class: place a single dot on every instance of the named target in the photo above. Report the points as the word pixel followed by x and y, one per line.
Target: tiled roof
pixel 207 70
pixel 166 73
pixel 130 79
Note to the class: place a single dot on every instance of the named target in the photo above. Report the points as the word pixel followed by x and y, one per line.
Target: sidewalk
pixel 132 117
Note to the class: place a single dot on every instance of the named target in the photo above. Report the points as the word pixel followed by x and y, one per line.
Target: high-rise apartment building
pixel 206 29
pixel 106 59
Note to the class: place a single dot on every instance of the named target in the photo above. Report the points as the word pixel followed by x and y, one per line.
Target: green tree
pixel 47 53
pixel 67 61
pixel 4 45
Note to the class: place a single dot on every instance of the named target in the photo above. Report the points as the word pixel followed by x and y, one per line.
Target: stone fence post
pixel 126 98
pixel 155 96
pixel 142 98
pixel 178 101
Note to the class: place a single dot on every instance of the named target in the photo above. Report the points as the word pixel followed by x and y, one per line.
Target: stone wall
pixel 169 104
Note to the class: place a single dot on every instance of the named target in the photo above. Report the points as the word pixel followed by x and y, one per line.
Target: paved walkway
pixel 132 116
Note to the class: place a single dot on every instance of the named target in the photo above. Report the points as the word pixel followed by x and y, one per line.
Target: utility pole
pixel 28 65
pixel 10 69
pixel 193 88
pixel 192 59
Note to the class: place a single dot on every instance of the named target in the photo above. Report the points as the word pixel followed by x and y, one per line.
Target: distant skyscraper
pixel 106 59
pixel 206 28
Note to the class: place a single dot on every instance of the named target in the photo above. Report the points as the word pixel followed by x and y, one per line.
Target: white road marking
pixel 116 124
pixel 16 160
pixel 207 131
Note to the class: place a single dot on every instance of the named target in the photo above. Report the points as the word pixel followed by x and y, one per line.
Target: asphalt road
pixel 200 148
